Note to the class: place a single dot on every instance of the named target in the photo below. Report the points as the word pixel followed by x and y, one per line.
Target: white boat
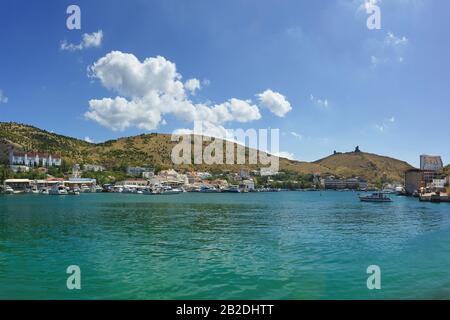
pixel 117 189
pixel 233 189
pixel 208 189
pixel 375 197
pixel 388 191
pixel 169 190
pixel 44 191
pixel 58 190
pixel 74 192
pixel 8 190
pixel 85 189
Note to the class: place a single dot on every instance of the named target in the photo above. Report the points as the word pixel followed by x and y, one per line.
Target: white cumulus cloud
pixel 192 85
pixel 89 40
pixel 275 102
pixel 150 89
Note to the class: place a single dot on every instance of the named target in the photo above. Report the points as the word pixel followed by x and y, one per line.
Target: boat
pixel 44 191
pixel 232 189
pixel 169 191
pixel 74 192
pixel 435 197
pixel 8 190
pixel 85 189
pixel 375 197
pixel 208 189
pixel 58 190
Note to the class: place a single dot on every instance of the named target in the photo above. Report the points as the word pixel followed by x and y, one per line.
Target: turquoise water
pixel 289 245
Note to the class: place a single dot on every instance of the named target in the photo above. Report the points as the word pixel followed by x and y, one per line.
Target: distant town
pixel 44 173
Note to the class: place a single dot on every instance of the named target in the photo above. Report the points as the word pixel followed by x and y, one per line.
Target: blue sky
pixel 386 90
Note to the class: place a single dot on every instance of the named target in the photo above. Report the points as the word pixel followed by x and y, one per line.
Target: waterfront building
pixel 339 184
pixel 333 183
pixel 34 159
pixel 438 184
pixel 431 163
pixel 47 183
pixel 18 184
pixel 133 183
pixel 247 185
pixel 172 178
pixel 352 183
pixel 363 184
pixel 78 182
pixel 415 179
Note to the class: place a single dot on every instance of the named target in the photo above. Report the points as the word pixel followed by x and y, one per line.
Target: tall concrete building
pixel 431 163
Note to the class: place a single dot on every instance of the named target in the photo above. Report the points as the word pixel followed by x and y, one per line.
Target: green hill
pixel 155 150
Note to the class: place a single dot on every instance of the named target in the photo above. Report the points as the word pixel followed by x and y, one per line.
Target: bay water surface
pixel 286 245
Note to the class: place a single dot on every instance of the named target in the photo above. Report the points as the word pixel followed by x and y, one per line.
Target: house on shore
pixel 34 159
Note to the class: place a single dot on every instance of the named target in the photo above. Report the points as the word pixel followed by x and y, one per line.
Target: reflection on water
pixel 253 246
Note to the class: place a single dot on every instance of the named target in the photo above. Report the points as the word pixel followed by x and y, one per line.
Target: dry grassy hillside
pixel 155 150
pixel 371 166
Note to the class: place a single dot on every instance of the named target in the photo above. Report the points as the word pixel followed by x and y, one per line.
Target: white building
pixel 438 183
pixel 248 185
pixel 172 178
pixel 34 159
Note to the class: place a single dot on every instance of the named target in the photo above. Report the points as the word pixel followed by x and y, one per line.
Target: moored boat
pixel 58 190
pixel 170 191
pixel 209 189
pixel 232 189
pixel 74 192
pixel 375 197
pixel 8 190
